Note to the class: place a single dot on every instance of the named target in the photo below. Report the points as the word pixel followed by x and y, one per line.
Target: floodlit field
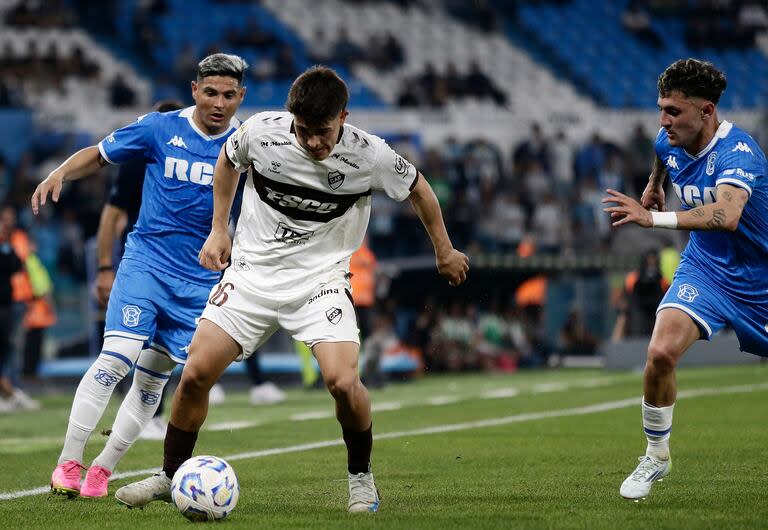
pixel 531 450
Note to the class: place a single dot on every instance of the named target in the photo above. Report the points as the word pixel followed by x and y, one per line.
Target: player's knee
pixel 195 381
pixel 342 385
pixel 662 357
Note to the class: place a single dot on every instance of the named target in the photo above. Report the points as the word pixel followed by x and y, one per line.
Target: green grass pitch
pixel 528 450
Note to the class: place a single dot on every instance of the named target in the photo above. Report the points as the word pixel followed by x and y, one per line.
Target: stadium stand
pixel 508 111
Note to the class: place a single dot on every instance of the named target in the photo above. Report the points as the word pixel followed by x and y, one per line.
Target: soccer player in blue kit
pixel 719 173
pixel 160 289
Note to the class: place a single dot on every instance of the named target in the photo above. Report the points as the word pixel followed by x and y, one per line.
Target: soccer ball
pixel 205 488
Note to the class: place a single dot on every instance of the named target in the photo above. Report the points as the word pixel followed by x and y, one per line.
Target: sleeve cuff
pixel 103 152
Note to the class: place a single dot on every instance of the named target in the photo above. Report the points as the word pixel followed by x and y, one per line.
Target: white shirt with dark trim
pixel 302 219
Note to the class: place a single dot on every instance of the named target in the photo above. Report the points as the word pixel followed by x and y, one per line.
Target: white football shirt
pixel 302 219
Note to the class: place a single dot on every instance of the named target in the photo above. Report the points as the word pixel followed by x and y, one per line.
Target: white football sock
pixel 657 424
pixel 117 357
pixel 152 372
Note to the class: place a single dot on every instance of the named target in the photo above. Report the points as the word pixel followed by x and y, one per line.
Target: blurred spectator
pixel 575 339
pixel 381 340
pixel 120 93
pixel 639 152
pixel 362 268
pixel 643 290
pixel 637 21
pixel 546 225
pixel 10 264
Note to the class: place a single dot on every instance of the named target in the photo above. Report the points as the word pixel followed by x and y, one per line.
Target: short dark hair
pixel 168 105
pixel 317 96
pixel 223 64
pixel 694 78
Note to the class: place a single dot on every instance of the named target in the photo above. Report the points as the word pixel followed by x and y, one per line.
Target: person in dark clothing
pixel 9 265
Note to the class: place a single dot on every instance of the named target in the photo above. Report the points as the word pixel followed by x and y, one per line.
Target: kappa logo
pixel 672 162
pixel 741 146
pixel 241 265
pixel 687 292
pixel 333 315
pixel 291 235
pixel 711 163
pixel 131 314
pixel 177 141
pixel 335 179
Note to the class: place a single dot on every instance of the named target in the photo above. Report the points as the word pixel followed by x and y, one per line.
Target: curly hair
pixel 694 78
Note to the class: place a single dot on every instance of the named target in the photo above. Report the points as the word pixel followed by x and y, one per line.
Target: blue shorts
pixel 712 308
pixel 160 309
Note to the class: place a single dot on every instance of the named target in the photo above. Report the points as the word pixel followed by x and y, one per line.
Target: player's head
pixel 318 101
pixel 218 91
pixel 689 91
pixel 168 105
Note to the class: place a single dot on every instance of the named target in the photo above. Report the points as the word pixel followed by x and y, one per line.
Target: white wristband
pixel 664 219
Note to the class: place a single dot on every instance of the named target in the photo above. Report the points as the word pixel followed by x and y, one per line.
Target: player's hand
pixel 214 255
pixel 453 266
pixel 653 197
pixel 52 184
pixel 627 210
pixel 104 281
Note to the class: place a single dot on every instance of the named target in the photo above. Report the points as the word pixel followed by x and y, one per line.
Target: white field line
pixel 452 427
pixel 497 393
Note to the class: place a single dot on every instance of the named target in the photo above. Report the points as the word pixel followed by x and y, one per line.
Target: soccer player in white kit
pixel 305 211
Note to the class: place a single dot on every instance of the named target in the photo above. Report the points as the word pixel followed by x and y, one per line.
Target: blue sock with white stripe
pixel 153 369
pixel 93 393
pixel 657 424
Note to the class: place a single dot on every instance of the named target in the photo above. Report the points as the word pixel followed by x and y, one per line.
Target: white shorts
pixel 325 315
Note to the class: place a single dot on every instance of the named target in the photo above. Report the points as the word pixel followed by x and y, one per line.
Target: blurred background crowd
pixel 518 113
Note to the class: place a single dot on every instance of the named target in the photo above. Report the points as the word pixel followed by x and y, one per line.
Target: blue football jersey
pixel 736 261
pixel 177 195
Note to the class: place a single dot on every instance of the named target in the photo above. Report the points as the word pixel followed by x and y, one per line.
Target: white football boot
pixel 363 495
pixel 139 494
pixel 650 469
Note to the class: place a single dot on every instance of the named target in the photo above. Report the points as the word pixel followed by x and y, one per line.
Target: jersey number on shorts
pixel 220 296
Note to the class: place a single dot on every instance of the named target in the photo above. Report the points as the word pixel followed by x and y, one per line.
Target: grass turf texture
pixel 561 472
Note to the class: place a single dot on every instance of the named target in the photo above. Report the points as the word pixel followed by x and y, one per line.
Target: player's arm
pixel 84 162
pixel 723 214
pixel 653 195
pixel 215 252
pixel 111 217
pixel 451 263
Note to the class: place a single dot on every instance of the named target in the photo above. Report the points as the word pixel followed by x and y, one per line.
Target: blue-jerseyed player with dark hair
pixel 160 289
pixel 719 173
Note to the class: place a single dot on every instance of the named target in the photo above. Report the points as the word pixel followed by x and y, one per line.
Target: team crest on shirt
pixel 333 315
pixel 401 166
pixel 711 163
pixel 687 292
pixel 241 265
pixel 335 179
pixel 131 315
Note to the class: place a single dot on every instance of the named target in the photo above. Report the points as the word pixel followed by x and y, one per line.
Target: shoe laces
pixel 361 488
pixel 99 477
pixel 646 467
pixel 71 469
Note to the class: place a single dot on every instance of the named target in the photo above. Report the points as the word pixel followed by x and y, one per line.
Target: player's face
pixel 216 101
pixel 683 118
pixel 319 140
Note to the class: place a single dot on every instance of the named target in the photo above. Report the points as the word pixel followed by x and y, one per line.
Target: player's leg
pixel 338 363
pixel 211 352
pixel 130 321
pixel 674 332
pixel 152 371
pixel 113 363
